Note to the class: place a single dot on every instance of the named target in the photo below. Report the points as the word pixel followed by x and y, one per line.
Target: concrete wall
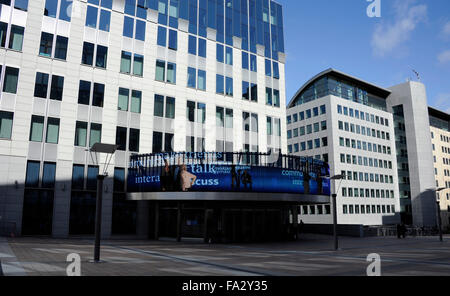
pixel 412 95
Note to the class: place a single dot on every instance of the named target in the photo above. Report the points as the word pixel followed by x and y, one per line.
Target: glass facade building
pixel 146 75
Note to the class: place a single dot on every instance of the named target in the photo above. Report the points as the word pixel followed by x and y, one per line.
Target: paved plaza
pixel 310 255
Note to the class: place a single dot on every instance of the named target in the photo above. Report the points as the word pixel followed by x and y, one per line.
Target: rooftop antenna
pixel 417 74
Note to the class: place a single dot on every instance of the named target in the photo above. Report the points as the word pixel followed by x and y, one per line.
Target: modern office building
pixel 379 139
pixel 344 120
pixel 148 76
pixel 440 137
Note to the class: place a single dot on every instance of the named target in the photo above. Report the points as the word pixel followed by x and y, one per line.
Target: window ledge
pixel 10 49
pixel 51 58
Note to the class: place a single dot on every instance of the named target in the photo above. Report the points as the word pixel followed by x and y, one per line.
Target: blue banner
pixel 228 178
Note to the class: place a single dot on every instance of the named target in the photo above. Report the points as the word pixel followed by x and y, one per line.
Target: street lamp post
pixel 438 210
pixel 334 196
pixel 109 150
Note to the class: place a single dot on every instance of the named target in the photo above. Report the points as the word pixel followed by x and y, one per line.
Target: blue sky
pixel 411 34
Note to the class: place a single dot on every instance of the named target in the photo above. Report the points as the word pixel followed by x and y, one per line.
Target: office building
pixel 378 138
pixel 344 120
pixel 148 76
pixel 440 138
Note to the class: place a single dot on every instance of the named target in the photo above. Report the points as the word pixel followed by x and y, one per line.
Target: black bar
pixel 335 236
pixel 98 218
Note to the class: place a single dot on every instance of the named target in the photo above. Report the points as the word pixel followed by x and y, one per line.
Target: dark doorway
pixel 123 215
pixel 167 222
pixel 82 213
pixel 37 215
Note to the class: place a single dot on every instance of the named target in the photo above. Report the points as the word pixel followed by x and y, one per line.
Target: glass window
pixel 51 7
pixel 98 95
pixel 10 80
pixel 140 30
pixel 202 47
pixel 84 92
pixel 61 47
pixel 119 179
pixel 6 122
pixel 105 20
pixel 65 10
pixel 41 85
pixel 56 91
pixel 229 56
pixel 159 106
pixel 92 174
pixel 269 126
pixel 276 71
pixel 254 94
pixel 128 27
pixel 102 56
pixel 91 17
pixel 45 48
pixel 37 128
pixel 201 112
pixel 229 118
pixel 268 68
pixel 170 107
pixel 229 86
pixel 157 142
pixel 254 122
pixel 16 37
pixel 276 98
pixel 32 178
pixel 246 121
pixel 138 65
pixel 21 4
pixel 191 81
pixel 162 32
pixel 192 45
pixel 134 140
pixel 173 39
pixel 80 133
pixel 88 53
pixel 3 32
pixel 77 176
pixel 171 73
pixel 201 79
pixel 95 135
pixel 125 63
pixel 268 96
pixel 160 70
pixel 136 98
pixel 121 138
pixel 48 176
pixel 253 66
pixel 245 90
pixel 52 130
pixel 190 111
pixel 244 60
pixel 123 99
pixel 219 53
pixel 219 84
pixel 219 116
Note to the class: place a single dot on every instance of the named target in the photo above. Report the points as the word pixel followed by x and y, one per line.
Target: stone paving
pixel 311 255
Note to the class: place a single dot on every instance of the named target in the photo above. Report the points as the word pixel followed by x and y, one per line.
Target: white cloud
pixel 446 30
pixel 389 36
pixel 444 57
